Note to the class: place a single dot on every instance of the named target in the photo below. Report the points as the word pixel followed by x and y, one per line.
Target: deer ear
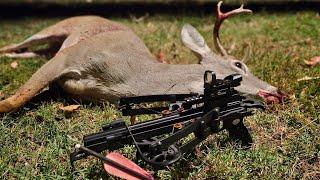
pixel 192 39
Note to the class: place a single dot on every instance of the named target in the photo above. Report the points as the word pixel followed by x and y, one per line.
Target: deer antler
pixel 220 17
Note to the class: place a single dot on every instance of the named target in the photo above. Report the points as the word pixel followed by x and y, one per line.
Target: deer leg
pixel 39 80
pixel 22 49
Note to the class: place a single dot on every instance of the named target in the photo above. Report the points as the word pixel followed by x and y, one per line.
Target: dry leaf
pixel 162 58
pixel 14 64
pixel 133 120
pixel 1 94
pixel 313 61
pixel 70 108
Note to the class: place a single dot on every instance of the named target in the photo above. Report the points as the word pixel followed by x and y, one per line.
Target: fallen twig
pixel 307 78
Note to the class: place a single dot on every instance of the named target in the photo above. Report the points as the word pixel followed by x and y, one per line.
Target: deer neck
pixel 168 79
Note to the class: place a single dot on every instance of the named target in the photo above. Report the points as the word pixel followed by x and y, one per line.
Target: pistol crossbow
pixel 163 141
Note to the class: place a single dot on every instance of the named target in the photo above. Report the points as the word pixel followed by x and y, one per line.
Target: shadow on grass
pixel 53 94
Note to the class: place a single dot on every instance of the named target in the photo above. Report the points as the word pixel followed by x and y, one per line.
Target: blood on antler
pixel 220 17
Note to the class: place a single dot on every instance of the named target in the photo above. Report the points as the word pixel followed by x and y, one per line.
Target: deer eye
pixel 239 65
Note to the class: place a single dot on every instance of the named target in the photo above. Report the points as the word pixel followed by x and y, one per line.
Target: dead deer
pixel 103 60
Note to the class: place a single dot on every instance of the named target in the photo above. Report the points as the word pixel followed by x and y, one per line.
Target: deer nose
pixel 272 97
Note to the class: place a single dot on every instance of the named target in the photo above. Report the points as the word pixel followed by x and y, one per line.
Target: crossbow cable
pixel 167 157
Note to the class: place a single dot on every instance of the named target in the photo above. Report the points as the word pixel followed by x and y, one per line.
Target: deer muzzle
pixel 272 97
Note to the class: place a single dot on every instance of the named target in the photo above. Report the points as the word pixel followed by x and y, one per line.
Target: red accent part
pixel 126 162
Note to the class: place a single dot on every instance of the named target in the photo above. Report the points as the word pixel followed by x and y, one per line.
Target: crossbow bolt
pixel 118 165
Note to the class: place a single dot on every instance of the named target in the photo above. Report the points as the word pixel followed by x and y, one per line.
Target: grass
pixel 35 142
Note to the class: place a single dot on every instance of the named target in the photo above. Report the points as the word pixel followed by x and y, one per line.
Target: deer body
pixel 100 59
pixel 111 70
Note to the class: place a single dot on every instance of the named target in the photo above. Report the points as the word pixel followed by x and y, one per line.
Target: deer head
pixel 224 64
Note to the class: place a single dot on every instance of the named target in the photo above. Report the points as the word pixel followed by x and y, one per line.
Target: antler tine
pixel 220 17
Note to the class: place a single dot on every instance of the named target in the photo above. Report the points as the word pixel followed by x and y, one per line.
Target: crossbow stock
pixel 163 141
